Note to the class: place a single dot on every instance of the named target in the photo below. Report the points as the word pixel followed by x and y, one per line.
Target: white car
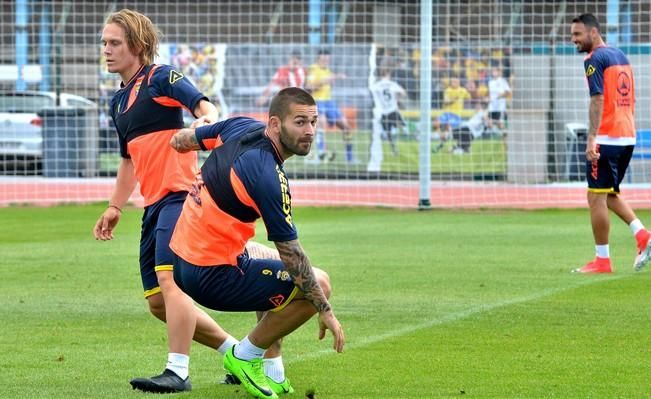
pixel 21 129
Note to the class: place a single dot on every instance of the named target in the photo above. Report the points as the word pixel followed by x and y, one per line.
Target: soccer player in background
pixel 498 91
pixel 610 142
pixel 147 111
pixel 291 75
pixel 469 130
pixel 241 181
pixel 319 82
pixel 454 98
pixel 386 116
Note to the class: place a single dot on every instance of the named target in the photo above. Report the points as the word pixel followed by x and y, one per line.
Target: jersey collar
pixel 123 85
pixel 276 151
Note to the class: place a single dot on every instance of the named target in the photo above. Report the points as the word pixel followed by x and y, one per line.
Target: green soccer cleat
pixel 251 375
pixel 284 387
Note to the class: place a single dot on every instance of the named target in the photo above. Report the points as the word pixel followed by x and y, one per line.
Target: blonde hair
pixel 141 34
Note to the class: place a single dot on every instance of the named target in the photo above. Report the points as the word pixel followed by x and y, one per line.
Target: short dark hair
pixel 324 51
pixel 281 102
pixel 589 20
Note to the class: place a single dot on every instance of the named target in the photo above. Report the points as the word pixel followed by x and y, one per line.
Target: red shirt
pixel 286 77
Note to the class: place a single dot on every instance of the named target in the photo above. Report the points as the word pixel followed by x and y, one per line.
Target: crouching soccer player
pixel 243 180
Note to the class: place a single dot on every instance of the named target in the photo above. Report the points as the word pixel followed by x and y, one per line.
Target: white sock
pixel 274 369
pixel 179 364
pixel 245 350
pixel 228 343
pixel 603 251
pixel 636 226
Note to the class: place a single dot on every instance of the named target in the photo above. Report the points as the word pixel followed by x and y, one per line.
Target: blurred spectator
pixel 403 74
pixel 200 64
pixel 291 75
pixel 506 66
pixel 478 93
pixel 475 69
pixel 456 63
pixel 441 59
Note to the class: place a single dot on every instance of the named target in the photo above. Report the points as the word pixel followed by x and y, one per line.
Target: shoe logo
pixel 266 392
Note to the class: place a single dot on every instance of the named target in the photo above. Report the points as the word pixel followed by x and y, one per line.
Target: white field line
pixel 450 318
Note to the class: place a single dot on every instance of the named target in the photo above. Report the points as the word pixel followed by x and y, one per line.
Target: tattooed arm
pixel 298 266
pixel 185 141
pixel 595 111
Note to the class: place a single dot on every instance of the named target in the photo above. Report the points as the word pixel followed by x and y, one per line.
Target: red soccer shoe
pixel 598 265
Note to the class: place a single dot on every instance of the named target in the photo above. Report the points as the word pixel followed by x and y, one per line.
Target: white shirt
pixel 385 95
pixel 475 124
pixel 496 88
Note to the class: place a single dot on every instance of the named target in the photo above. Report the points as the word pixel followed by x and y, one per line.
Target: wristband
pixel 116 207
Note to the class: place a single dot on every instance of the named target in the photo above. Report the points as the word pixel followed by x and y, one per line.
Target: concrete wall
pixel 526 146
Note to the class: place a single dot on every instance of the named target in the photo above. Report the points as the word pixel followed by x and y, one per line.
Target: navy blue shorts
pixel 605 174
pixel 252 285
pixel 158 224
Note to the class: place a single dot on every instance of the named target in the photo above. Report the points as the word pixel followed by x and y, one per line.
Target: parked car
pixel 21 129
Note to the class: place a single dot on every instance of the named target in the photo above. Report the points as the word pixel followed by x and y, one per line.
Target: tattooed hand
pixel 185 141
pixel 328 321
pixel 299 268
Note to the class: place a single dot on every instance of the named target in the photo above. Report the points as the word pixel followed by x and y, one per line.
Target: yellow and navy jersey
pixel 609 73
pixel 147 111
pixel 243 180
pixel 319 78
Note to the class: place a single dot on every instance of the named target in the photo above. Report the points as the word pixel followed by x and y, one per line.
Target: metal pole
pixel 612 16
pixel 44 46
pixel 424 157
pixel 22 15
pixel 58 51
pixel 332 21
pixel 626 34
pixel 314 22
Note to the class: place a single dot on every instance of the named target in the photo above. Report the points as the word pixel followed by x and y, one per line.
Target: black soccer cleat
pixel 230 379
pixel 168 382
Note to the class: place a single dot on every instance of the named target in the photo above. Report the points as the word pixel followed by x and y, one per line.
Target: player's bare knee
pixel 324 281
pixel 157 306
pixel 166 281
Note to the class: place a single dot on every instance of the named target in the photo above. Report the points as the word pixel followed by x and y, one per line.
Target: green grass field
pixel 441 304
pixel 487 156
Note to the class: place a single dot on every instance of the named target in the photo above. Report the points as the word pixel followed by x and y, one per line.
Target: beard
pixel 584 47
pixel 293 145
